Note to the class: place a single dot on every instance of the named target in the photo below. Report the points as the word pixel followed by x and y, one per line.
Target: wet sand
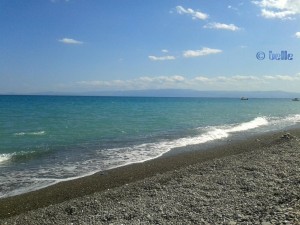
pixel 251 181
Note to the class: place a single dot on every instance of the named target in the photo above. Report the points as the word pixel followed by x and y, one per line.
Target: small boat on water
pixel 296 99
pixel 244 98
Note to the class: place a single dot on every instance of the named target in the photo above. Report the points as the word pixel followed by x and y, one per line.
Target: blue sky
pixel 96 45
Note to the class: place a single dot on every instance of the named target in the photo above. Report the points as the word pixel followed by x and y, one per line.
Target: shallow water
pixel 48 139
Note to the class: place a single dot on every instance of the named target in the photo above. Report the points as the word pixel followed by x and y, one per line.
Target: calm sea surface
pixel 48 139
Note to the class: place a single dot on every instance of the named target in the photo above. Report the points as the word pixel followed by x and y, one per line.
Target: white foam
pixel 30 133
pixel 38 133
pixel 257 122
pixel 28 187
pixel 19 134
pixel 221 132
pixel 147 151
pixel 5 157
pixel 215 134
pixel 292 119
pixel 279 123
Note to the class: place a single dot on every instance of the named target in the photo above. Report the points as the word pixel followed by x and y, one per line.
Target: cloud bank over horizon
pixel 233 83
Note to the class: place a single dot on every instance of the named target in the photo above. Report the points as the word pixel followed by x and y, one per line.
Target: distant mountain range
pixel 180 93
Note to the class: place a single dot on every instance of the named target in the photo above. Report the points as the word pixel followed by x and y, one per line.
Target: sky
pixel 101 45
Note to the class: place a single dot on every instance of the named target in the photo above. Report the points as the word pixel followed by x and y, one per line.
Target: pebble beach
pixel 248 182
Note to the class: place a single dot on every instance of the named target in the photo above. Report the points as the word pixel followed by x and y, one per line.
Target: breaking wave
pixel 5 157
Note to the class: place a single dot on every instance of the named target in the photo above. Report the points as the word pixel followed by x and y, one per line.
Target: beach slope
pixel 249 182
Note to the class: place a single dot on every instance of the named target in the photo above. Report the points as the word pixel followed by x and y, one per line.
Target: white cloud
pixel 243 78
pixel 70 41
pixel 279 4
pixel 202 79
pixel 232 8
pixel 59 0
pixel 186 54
pixel 195 14
pixel 164 51
pixel 176 78
pixel 161 58
pixel 297 34
pixel 270 3
pixel 268 14
pixel 278 9
pixel 145 82
pixel 283 78
pixel 202 52
pixel 248 78
pixel 222 26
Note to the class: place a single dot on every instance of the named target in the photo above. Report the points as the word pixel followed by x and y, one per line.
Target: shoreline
pixel 107 180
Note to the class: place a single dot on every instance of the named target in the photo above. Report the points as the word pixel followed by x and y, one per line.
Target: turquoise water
pixel 48 139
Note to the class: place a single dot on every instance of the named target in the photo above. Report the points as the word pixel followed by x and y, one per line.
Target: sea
pixel 48 139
